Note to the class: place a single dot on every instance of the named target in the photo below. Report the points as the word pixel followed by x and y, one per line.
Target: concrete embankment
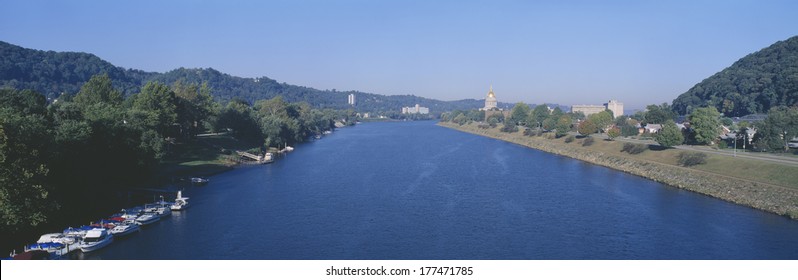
pixel 771 198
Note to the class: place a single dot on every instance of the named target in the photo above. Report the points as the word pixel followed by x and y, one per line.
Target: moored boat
pixel 180 202
pixel 96 239
pixel 147 218
pixel 125 228
pixel 199 181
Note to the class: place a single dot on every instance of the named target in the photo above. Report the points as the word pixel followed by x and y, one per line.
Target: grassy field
pixel 202 156
pixel 772 173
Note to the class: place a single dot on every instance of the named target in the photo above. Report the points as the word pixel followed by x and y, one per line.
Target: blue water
pixel 413 190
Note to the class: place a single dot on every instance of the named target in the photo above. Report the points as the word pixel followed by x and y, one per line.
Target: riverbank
pixel 778 195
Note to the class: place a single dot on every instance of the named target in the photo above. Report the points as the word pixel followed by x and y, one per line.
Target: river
pixel 414 190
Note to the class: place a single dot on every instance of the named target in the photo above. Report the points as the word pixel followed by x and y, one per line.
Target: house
pixel 653 128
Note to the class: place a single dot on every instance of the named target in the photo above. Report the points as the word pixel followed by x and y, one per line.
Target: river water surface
pixel 414 190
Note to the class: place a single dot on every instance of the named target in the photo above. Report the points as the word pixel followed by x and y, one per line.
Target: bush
pixel 528 132
pixel 483 126
pixel 569 139
pixel 587 142
pixel 688 159
pixel 509 128
pixel 634 149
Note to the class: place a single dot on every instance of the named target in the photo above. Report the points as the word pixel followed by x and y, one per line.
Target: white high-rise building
pixel 351 99
pixel 616 108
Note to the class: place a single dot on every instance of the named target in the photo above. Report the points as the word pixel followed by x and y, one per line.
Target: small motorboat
pixel 147 218
pixel 180 202
pixel 199 181
pixel 96 239
pixel 125 228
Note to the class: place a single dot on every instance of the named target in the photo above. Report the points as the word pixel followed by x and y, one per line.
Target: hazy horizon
pixel 579 52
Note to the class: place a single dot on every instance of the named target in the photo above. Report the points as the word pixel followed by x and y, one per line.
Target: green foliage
pixel 460 119
pixel 634 149
pixel 509 128
pixel 588 141
pixel 520 113
pixel 538 115
pixel 688 159
pixel 658 114
pixel 601 120
pixel 563 125
pixel 628 130
pixel 53 73
pixel 89 147
pixel 569 139
pixel 587 127
pixel 97 91
pixel 670 135
pixel 158 106
pixel 613 132
pixel 754 84
pixel 780 126
pixel 705 124
pixel 493 121
pixel 25 140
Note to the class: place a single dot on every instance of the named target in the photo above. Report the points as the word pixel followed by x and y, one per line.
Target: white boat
pixel 147 218
pixel 56 244
pixel 161 209
pixel 77 232
pixel 131 214
pixel 57 238
pixel 96 239
pixel 199 180
pixel 125 228
pixel 180 202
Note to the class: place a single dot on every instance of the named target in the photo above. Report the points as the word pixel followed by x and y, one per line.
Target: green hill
pixel 753 84
pixel 52 73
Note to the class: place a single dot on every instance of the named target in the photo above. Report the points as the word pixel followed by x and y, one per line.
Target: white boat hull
pixel 148 221
pixel 93 246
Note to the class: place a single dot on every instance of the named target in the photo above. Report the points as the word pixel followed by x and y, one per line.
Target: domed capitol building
pixel 490 101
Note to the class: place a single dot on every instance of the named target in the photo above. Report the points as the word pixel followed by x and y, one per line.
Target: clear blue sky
pixel 567 52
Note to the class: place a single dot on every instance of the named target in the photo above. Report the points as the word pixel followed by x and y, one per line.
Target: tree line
pixel 63 154
pixel 53 73
pixel 703 126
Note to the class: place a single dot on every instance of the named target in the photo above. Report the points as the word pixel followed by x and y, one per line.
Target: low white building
pixel 415 110
pixel 613 105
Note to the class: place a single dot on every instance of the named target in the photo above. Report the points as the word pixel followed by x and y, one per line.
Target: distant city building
pixel 415 110
pixel 588 109
pixel 490 101
pixel 616 108
pixel 613 105
pixel 352 99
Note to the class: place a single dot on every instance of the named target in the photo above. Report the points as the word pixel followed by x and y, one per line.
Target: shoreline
pixel 770 198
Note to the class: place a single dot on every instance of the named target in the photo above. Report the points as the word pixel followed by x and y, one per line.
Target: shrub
pixel 528 132
pixel 634 149
pixel 509 128
pixel 569 139
pixel 587 142
pixel 688 159
pixel 483 126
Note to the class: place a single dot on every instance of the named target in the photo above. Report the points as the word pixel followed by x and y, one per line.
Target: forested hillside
pixel 754 84
pixel 52 73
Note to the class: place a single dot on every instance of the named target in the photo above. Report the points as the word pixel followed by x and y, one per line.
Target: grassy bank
pixel 771 187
